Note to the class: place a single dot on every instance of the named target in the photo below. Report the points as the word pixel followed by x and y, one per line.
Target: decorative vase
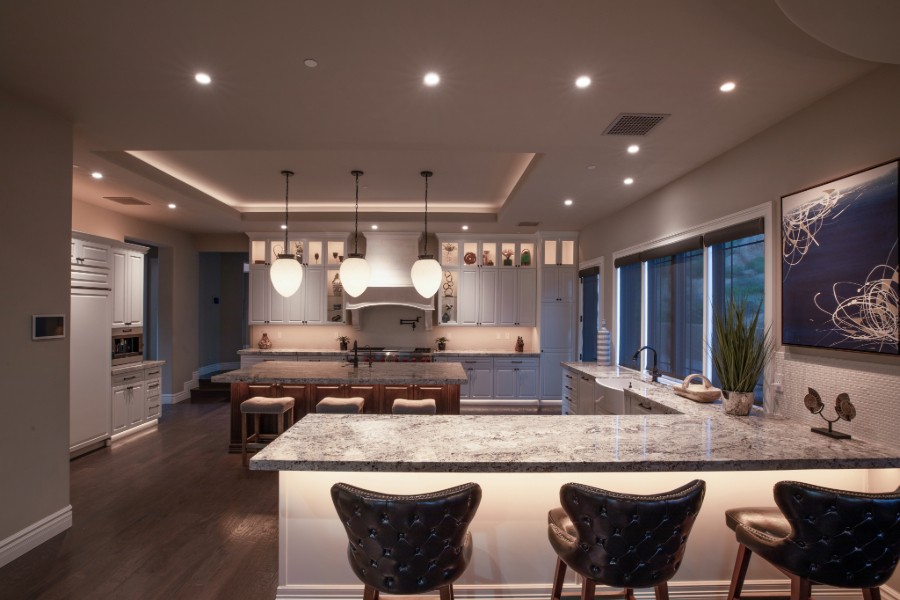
pixel 507 261
pixel 264 342
pixel 520 344
pixel 737 403
pixel 336 286
pixel 525 259
pixel 603 345
pixel 445 318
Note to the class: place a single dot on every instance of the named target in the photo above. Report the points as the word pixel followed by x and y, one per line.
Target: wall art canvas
pixel 839 268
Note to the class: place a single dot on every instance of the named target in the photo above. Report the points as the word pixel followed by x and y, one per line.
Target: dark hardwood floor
pixel 167 513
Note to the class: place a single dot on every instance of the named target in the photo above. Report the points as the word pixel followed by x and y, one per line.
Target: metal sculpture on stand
pixel 842 406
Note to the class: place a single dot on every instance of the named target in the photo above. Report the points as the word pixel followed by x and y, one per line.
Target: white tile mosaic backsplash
pixel 874 391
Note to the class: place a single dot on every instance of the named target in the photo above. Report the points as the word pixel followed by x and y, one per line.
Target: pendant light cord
pixel 356 218
pixel 426 175
pixel 287 183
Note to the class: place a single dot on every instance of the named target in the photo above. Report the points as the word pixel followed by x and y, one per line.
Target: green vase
pixel 525 260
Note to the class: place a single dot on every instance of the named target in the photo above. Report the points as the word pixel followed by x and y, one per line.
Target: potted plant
pixel 507 257
pixel 344 340
pixel 441 343
pixel 740 353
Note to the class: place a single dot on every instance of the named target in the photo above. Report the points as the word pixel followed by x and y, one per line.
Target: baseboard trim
pixel 134 430
pixel 34 535
pixel 686 590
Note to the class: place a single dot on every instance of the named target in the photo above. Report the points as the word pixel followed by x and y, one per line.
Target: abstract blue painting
pixel 839 265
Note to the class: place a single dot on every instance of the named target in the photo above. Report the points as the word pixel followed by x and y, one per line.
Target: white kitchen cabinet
pixel 119 408
pixel 307 306
pixel 569 392
pixel 515 378
pixel 551 377
pixel 127 286
pixel 89 368
pixel 558 284
pixel 128 406
pixel 89 253
pixel 586 396
pixel 516 296
pixel 480 372
pixel 478 296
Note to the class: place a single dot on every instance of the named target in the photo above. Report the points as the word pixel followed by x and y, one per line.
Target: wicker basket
pixel 698 392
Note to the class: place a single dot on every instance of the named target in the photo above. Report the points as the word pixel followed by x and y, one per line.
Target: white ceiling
pixel 507 133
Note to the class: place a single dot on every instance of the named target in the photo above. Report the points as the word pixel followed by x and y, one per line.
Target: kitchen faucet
pixel 355 356
pixel 654 372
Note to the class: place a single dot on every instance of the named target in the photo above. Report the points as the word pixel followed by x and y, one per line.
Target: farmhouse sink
pixel 611 394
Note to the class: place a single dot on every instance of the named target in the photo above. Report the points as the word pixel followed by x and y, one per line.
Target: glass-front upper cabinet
pixel 334 292
pixel 559 251
pixel 516 254
pixel 317 252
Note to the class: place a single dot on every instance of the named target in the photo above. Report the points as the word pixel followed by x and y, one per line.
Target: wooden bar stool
pixel 407 544
pixel 334 405
pixel 620 540
pixel 820 535
pixel 261 405
pixel 403 406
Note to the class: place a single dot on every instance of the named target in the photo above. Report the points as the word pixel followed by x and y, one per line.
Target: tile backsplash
pixel 873 388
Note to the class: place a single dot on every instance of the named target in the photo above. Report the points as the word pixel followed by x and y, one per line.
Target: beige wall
pixel 178 283
pixel 36 195
pixel 221 325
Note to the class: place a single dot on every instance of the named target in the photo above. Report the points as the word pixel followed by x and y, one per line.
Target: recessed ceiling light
pixel 284 225
pixel 374 226
pixel 591 167
pixel 432 79
pixel 172 205
pixel 628 181
pixel 583 82
pixel 567 202
pixel 97 175
pixel 465 227
pixel 202 78
pixel 728 86
pixel 633 149
pixel 311 63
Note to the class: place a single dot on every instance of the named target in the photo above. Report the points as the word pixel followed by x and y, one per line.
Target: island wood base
pixel 378 399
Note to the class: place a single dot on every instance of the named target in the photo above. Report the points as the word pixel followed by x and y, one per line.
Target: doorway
pixel 589 280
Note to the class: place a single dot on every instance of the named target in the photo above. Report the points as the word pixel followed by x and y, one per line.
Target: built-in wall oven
pixel 127 345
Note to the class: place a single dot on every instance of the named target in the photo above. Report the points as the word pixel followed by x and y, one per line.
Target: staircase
pixel 209 392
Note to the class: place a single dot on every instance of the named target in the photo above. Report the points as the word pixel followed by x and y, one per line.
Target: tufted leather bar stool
pixel 820 535
pixel 407 544
pixel 621 540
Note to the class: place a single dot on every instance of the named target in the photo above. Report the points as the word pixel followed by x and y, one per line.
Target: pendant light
pixel 355 271
pixel 426 272
pixel 286 272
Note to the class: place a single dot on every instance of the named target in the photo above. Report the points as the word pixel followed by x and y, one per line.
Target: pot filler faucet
pixel 654 372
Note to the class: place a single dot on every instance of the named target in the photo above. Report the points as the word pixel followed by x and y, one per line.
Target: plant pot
pixel 737 403
pixel 344 346
pixel 442 346
pixel 507 262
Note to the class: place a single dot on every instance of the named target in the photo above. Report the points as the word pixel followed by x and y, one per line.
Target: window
pixel 675 312
pixel 670 310
pixel 738 271
pixel 629 312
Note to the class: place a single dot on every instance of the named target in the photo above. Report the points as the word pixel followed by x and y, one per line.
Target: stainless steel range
pixel 382 354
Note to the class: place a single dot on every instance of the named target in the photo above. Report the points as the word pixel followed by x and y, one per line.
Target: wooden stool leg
pixel 244 439
pixel 662 591
pixel 629 593
pixel 740 572
pixel 280 428
pixel 588 589
pixel 872 593
pixel 800 588
pixel 446 592
pixel 256 427
pixel 558 577
pixel 370 593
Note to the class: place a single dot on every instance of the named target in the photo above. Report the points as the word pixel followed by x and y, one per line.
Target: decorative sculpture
pixel 842 407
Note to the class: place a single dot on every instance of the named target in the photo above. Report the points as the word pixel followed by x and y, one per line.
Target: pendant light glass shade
pixel 286 272
pixel 426 276
pixel 426 273
pixel 355 271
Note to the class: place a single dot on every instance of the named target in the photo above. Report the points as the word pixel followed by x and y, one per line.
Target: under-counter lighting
pixel 634 149
pixel 728 86
pixel 203 78
pixel 172 205
pixel 628 181
pixel 583 82
pixel 567 202
pixel 97 175
pixel 431 79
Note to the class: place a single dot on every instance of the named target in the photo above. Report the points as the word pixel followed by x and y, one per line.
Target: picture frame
pixel 839 263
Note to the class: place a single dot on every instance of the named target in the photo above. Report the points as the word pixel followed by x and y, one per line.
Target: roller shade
pixel 735 232
pixel 589 271
pixel 624 261
pixel 685 245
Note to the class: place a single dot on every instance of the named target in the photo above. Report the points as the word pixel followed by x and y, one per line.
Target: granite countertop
pixel 701 438
pixel 119 369
pixel 291 351
pixel 488 353
pixel 323 352
pixel 343 372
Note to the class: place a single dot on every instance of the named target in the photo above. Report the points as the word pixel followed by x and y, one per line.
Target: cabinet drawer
pixel 475 363
pixel 153 387
pixel 153 372
pixel 515 363
pixel 128 378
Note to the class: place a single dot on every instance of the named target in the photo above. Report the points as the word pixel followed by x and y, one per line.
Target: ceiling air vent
pixel 127 200
pixel 529 223
pixel 634 124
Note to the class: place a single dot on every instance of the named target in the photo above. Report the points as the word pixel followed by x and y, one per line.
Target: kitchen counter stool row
pixel 417 544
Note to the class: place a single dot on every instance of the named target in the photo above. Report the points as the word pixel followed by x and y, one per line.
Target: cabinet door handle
pixel 469 362
pixel 516 362
pixel 129 378
pixel 130 387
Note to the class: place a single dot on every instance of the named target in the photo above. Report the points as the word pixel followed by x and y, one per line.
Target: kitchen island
pixel 521 462
pixel 379 384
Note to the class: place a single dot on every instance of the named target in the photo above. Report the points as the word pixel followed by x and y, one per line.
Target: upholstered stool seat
pixel 820 535
pixel 621 540
pixel 407 544
pixel 402 406
pixel 261 405
pixel 334 405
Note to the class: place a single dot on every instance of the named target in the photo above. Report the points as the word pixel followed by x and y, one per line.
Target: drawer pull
pixel 516 362
pixel 152 387
pixel 152 372
pixel 128 378
pixel 470 362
